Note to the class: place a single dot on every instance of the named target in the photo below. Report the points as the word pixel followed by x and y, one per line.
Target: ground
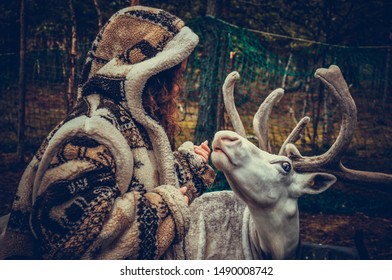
pixel 340 230
pixel 334 218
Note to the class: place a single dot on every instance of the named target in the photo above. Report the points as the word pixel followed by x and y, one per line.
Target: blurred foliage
pixel 335 201
pixel 351 22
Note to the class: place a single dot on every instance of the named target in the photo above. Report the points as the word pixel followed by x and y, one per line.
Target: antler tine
pixel 228 99
pixel 364 176
pixel 339 170
pixel 295 135
pixel 260 120
pixel 333 79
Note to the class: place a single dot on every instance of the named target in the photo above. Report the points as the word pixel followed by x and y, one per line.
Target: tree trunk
pixel 72 60
pixel 99 13
pixel 221 69
pixel 208 101
pixel 387 76
pixel 388 62
pixel 22 86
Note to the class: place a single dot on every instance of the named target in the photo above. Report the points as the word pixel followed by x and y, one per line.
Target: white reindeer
pixel 259 218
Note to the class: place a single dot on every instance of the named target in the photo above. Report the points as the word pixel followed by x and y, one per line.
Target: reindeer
pixel 259 218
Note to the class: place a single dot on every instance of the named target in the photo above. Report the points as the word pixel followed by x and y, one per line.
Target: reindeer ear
pixel 315 183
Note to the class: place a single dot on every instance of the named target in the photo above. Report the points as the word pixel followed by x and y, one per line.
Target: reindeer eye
pixel 286 166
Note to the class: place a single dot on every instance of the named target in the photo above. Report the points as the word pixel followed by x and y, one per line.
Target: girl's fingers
pixel 183 190
pixel 199 150
pixel 204 154
pixel 205 147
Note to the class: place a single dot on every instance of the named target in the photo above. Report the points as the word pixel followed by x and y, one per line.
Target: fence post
pixel 72 60
pixel 22 86
pixel 386 78
pixel 99 13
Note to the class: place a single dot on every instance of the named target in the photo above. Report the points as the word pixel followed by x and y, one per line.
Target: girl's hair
pixel 160 99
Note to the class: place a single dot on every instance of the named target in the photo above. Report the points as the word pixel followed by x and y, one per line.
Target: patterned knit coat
pixel 104 184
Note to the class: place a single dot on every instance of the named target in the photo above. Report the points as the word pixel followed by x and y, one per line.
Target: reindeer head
pixel 260 178
pixel 263 179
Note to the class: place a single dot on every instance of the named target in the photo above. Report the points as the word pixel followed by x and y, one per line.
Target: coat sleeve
pixel 81 213
pixel 192 172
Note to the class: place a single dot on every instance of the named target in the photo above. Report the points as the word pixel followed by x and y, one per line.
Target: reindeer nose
pixel 228 138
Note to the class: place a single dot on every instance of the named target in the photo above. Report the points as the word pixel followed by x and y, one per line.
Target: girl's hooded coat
pixel 104 184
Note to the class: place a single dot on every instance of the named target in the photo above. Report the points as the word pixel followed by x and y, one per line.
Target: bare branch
pixel 99 13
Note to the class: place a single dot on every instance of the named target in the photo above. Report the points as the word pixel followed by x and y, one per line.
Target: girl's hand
pixel 203 150
pixel 183 191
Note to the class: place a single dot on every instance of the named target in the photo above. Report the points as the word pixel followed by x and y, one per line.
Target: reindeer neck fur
pixel 274 233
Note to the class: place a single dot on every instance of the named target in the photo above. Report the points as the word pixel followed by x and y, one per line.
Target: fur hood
pixel 160 42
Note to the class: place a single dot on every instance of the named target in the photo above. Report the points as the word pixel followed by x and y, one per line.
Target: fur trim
pixel 188 148
pixel 174 53
pixel 26 185
pixel 151 28
pixel 178 207
pixel 121 226
pixel 67 170
pixel 100 130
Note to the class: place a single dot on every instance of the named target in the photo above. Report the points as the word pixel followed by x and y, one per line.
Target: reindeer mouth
pixel 225 149
pixel 218 151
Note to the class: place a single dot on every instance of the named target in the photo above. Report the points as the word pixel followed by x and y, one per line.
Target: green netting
pixel 47 72
pixel 264 63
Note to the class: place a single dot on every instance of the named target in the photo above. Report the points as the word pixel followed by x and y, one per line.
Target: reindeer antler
pixel 260 120
pixel 295 135
pixel 333 79
pixel 330 161
pixel 228 99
